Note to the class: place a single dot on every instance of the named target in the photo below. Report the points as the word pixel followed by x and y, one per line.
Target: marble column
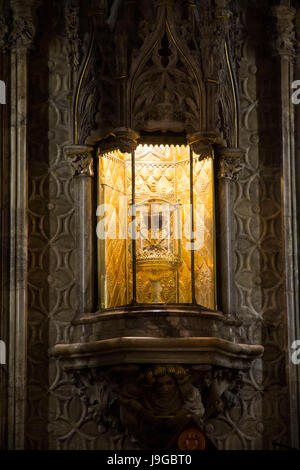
pixel 80 158
pixel 284 42
pixel 20 40
pixel 4 224
pixel 228 164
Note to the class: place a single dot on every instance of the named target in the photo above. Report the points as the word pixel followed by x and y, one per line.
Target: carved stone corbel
pixel 126 401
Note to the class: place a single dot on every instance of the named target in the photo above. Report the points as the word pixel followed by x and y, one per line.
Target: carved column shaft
pixel 297 132
pixel 4 229
pixel 81 160
pixel 285 49
pixel 20 40
pixel 229 165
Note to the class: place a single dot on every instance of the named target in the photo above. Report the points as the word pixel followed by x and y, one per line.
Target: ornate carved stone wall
pixel 258 265
pixel 51 228
pixel 56 417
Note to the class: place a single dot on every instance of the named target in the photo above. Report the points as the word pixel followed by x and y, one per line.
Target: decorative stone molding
pixel 132 350
pixel 284 35
pixel 80 158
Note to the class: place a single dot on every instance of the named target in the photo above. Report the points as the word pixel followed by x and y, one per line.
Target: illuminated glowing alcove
pixel 155 227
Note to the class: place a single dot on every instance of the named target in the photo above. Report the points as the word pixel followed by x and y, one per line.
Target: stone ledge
pixel 151 310
pixel 137 350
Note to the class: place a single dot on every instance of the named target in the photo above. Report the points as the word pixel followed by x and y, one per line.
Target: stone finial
pixel 284 34
pixel 80 158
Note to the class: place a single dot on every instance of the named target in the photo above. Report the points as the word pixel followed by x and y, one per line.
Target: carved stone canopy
pixel 175 73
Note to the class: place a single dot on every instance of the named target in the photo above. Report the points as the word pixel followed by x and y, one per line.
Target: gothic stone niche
pixel 172 77
pixel 161 406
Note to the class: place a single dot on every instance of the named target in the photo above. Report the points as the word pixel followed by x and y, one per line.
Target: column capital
pixel 80 158
pixel 23 25
pixel 284 34
pixel 230 162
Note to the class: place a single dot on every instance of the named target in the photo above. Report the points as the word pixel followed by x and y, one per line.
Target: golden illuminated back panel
pixel 163 229
pixel 204 229
pixel 163 263
pixel 183 196
pixel 112 241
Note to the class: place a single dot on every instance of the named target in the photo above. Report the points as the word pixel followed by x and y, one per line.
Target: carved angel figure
pixel 160 405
